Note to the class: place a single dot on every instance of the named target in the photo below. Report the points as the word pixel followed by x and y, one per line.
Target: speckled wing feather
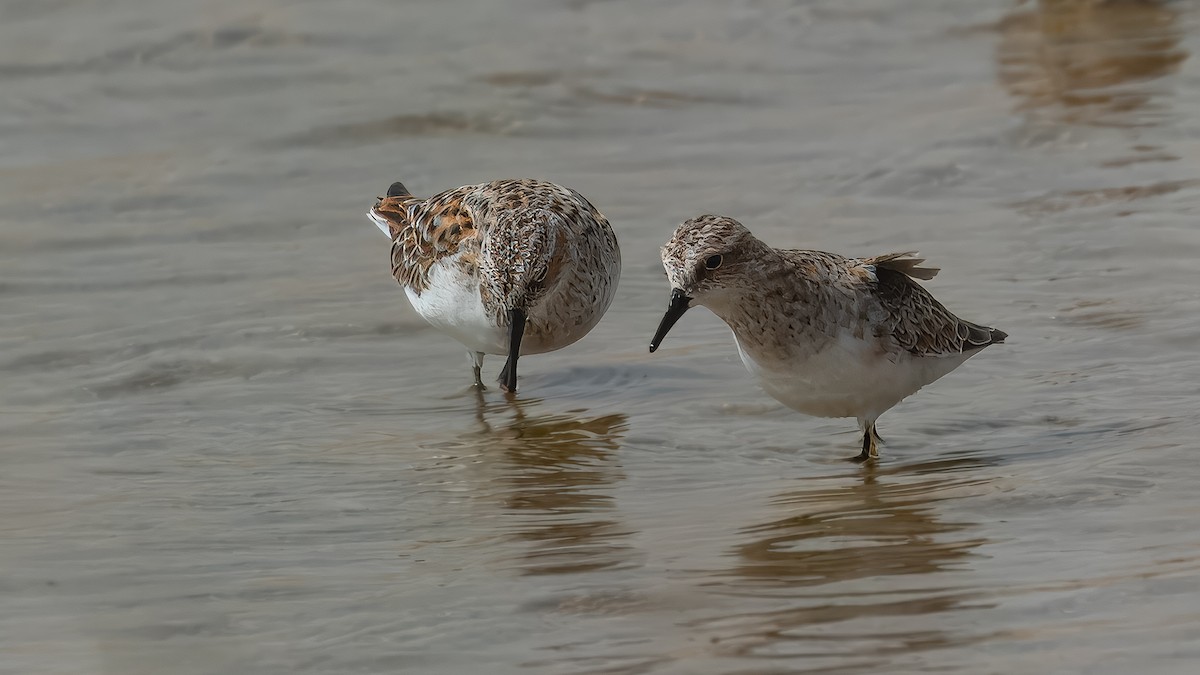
pixel 426 231
pixel 915 319
pixel 457 222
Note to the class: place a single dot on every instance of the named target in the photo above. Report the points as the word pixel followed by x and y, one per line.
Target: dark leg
pixel 866 449
pixel 516 328
pixel 477 368
pixel 869 441
pixel 504 373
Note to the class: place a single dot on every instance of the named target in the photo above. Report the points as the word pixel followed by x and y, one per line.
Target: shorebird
pixel 823 334
pixel 508 267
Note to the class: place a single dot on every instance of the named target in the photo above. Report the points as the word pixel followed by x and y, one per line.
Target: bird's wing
pixel 424 232
pixel 913 318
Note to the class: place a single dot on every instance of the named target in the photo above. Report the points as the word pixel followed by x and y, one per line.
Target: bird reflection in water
pixel 555 472
pixel 883 524
pixel 1087 62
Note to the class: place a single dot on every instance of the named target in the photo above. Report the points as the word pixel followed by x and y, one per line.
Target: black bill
pixel 516 328
pixel 679 305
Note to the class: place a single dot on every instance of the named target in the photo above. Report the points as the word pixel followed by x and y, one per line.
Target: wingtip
pixel 978 337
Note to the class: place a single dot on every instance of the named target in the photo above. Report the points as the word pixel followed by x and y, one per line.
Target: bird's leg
pixel 869 441
pixel 516 329
pixel 503 374
pixel 867 448
pixel 477 367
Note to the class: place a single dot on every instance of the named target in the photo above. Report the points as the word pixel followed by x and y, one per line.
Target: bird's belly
pixel 849 377
pixel 451 303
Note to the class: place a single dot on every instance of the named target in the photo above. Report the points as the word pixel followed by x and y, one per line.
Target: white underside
pixel 849 378
pixel 451 304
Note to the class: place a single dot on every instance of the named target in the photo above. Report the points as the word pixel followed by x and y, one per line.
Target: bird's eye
pixel 713 262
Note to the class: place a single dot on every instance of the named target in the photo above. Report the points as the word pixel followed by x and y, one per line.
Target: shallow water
pixel 230 446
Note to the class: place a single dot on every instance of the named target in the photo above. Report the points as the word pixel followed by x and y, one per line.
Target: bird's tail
pixel 381 221
pixel 390 212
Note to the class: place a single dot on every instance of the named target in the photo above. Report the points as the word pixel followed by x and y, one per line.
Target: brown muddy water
pixel 229 445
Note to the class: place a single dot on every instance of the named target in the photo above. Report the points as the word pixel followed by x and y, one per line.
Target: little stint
pixel 509 267
pixel 825 335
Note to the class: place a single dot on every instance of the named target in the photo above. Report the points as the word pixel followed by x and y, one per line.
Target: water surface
pixel 229 445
